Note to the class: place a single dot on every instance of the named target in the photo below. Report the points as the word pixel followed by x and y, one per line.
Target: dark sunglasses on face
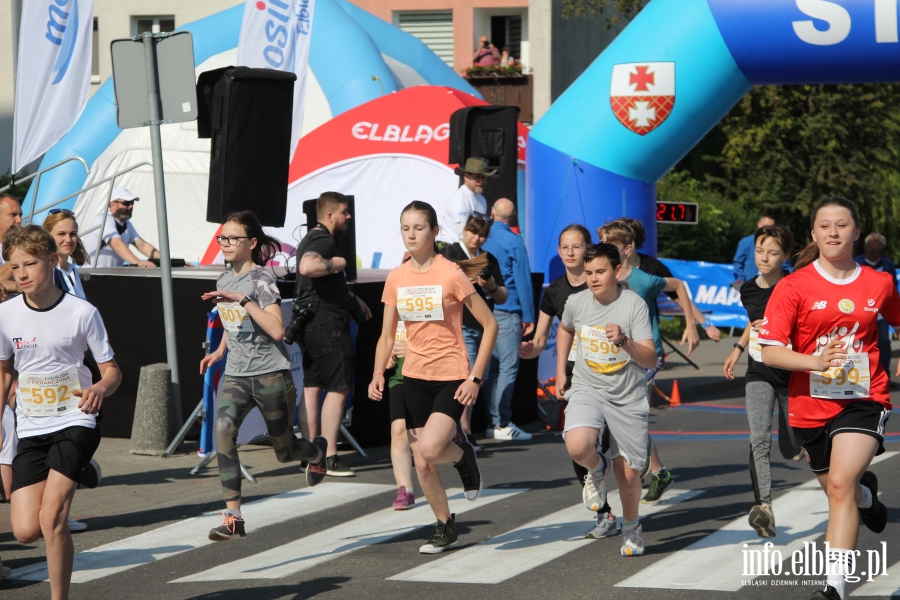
pixel 479 215
pixel 126 202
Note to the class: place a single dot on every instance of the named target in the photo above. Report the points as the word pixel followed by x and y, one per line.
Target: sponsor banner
pixel 710 287
pixel 54 74
pixel 275 35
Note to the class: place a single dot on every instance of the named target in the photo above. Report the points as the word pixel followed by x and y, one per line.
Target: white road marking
pixel 497 559
pixel 190 534
pixel 331 543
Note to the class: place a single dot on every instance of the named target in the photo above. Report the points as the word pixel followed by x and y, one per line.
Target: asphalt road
pixel 341 541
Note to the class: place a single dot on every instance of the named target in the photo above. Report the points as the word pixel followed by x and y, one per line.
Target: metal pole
pixel 162 222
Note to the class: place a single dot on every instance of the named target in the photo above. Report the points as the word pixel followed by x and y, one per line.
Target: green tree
pixel 618 10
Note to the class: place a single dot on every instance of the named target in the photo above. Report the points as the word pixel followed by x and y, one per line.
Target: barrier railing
pixel 38 174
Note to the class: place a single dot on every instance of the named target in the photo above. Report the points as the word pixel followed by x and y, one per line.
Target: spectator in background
pixel 10 215
pixel 515 318
pixel 745 257
pixel 485 54
pixel 119 235
pixel 466 201
pixel 874 257
pixel 506 57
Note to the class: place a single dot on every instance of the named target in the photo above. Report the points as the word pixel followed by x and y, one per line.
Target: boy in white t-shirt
pixel 609 389
pixel 44 335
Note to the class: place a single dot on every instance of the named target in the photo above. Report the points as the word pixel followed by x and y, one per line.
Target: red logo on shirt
pixel 22 344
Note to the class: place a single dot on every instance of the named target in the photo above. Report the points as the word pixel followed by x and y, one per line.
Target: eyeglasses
pixel 56 211
pixel 125 202
pixel 231 239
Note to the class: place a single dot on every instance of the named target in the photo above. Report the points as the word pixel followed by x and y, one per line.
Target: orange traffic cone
pixel 675 398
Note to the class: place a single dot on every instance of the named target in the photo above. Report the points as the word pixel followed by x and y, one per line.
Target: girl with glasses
pixel 258 370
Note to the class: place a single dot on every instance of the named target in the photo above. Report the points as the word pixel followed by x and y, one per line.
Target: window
pixel 95 54
pixel 434 28
pixel 165 24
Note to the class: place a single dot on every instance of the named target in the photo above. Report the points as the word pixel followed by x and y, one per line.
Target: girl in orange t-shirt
pixel 428 292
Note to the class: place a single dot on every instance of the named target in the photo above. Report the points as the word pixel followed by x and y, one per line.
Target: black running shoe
pixel 829 593
pixel 231 529
pixel 338 469
pixel 875 517
pixel 469 472
pixel 90 475
pixel 444 537
pixel 315 471
pixel 658 484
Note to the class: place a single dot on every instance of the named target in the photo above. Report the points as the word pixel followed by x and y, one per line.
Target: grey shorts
pixel 628 423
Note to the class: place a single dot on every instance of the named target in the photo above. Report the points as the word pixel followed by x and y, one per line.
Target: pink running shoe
pixel 405 500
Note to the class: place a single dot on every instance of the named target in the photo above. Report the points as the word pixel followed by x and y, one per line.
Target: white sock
pixel 838 567
pixel 599 472
pixel 867 499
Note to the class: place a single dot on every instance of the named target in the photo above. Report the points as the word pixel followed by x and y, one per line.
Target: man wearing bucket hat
pixel 466 200
pixel 119 234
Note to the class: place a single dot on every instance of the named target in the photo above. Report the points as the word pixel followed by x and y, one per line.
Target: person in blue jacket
pixel 874 257
pixel 745 257
pixel 515 318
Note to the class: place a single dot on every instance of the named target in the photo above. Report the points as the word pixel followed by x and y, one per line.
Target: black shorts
pixel 327 352
pixel 398 403
pixel 866 416
pixel 422 398
pixel 67 451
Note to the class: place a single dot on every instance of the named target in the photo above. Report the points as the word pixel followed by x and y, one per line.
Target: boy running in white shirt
pixel 44 335
pixel 615 346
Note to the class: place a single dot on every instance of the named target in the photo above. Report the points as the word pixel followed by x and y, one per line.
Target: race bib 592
pixel 49 395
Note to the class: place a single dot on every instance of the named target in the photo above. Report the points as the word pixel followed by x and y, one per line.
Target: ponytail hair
pixel 266 245
pixel 473 266
pixel 811 252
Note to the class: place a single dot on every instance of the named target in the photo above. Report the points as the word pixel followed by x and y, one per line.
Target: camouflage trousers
pixel 275 396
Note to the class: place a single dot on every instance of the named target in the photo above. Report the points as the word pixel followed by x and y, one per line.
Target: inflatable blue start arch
pixel 666 80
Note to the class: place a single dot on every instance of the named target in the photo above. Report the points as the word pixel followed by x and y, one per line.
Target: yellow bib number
pixel 422 303
pixel 234 318
pixel 49 395
pixel 850 380
pixel 600 355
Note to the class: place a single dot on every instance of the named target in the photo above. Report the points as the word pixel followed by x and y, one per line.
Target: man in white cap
pixel 467 199
pixel 119 235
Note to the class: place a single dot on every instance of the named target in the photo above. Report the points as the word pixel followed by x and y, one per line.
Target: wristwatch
pixel 738 346
pixel 706 324
pixel 624 339
pixel 476 380
pixel 246 300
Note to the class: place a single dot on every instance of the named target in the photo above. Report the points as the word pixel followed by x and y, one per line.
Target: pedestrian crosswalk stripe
pixel 191 534
pixel 331 543
pixel 716 562
pixel 886 585
pixel 512 553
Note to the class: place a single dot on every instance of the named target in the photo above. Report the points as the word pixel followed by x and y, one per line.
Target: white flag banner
pixel 275 34
pixel 53 74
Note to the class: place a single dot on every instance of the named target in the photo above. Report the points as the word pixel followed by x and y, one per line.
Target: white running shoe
pixel 632 542
pixel 76 525
pixel 593 493
pixel 607 526
pixel 507 433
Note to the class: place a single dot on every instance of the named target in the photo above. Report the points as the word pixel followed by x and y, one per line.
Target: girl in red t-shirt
pixel 429 293
pixel 838 393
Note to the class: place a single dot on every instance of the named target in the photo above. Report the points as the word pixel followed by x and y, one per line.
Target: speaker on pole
pixel 346 242
pixel 247 114
pixel 492 133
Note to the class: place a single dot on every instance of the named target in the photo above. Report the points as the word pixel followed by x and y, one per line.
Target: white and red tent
pixel 386 153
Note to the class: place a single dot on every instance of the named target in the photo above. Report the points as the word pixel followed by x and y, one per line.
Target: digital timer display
pixel 683 213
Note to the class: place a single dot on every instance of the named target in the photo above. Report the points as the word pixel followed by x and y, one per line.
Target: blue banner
pixel 710 288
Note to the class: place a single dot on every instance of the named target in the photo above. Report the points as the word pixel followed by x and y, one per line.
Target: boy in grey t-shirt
pixel 615 346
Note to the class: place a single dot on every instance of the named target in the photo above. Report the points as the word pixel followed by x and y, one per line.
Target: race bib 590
pixel 600 354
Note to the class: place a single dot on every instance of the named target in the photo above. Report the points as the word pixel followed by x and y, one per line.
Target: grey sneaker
pixel 632 542
pixel 762 519
pixel 607 526
pixel 593 493
pixel 443 538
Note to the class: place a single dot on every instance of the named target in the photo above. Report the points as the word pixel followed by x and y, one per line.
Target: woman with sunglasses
pixel 489 285
pixel 258 370
pixel 61 224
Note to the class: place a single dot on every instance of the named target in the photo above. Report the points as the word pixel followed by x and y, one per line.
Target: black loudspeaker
pixel 492 133
pixel 247 113
pixel 346 242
